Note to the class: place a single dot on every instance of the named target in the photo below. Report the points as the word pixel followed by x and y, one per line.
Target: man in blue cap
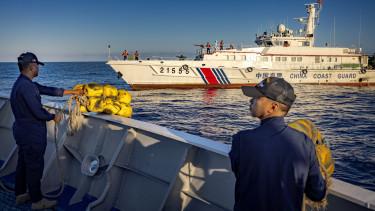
pixel 29 130
pixel 274 165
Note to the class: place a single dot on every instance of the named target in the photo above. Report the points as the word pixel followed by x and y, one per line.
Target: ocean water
pixel 345 115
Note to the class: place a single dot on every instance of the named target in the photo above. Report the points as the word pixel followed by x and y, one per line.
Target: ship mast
pixel 313 11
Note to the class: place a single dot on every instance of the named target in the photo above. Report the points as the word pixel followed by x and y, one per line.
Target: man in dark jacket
pixel 29 130
pixel 274 165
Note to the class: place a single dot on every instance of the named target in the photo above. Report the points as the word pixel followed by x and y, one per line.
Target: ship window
pixel 293 59
pixel 264 59
pixel 284 59
pixel 306 43
pixel 317 59
pixel 243 57
pixel 329 59
pixel 277 58
pixel 299 59
pixel 229 57
pixel 336 59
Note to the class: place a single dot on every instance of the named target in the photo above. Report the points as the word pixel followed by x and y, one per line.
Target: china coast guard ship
pixel 281 54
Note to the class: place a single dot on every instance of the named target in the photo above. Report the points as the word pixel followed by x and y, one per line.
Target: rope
pixel 59 167
pixel 75 120
pixel 75 117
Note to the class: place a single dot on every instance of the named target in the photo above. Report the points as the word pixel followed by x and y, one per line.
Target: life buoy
pixel 304 71
pixel 185 67
pixel 249 69
pixel 363 70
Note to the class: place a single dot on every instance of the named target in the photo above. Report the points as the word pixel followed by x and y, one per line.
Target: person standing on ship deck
pixel 208 46
pixel 30 132
pixel 136 55
pixel 221 45
pixel 125 54
pixel 274 165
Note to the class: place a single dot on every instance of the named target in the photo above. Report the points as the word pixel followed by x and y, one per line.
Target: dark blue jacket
pixel 274 165
pixel 30 116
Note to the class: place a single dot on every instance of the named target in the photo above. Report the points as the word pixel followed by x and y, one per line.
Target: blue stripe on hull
pixel 217 76
pixel 221 76
pixel 225 76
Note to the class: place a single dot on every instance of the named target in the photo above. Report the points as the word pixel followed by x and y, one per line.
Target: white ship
pixel 285 54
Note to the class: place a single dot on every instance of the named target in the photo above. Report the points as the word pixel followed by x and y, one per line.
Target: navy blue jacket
pixel 30 116
pixel 274 165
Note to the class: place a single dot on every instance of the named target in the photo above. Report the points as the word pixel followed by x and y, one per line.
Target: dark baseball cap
pixel 274 88
pixel 27 58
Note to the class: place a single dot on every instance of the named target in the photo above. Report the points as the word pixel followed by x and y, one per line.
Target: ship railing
pixel 161 58
pixel 203 51
pixel 352 50
pixel 306 66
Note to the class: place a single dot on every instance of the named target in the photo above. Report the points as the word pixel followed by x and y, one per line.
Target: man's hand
pixel 58 118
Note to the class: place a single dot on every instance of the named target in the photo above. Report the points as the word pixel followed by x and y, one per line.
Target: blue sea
pixel 345 115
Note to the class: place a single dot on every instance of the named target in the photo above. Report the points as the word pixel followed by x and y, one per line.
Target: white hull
pixel 207 74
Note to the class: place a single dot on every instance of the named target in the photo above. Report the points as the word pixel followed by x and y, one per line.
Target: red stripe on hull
pixel 226 86
pixel 210 77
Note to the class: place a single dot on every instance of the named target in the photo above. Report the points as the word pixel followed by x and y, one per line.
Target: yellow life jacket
pixel 322 150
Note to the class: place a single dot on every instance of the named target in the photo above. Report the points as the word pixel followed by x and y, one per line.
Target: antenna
pixel 360 30
pixel 109 52
pixel 334 31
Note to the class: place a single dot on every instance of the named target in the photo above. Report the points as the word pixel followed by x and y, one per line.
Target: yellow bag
pixel 126 110
pixel 124 96
pixel 109 91
pixel 322 150
pixel 111 107
pixel 106 99
pixel 95 104
pixel 93 90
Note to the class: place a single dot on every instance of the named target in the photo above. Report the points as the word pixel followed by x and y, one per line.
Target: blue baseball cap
pixel 27 58
pixel 274 88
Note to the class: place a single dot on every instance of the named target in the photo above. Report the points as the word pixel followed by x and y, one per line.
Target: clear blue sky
pixel 81 30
